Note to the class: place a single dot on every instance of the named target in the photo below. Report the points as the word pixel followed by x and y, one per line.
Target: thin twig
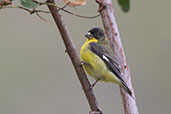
pixel 50 4
pixel 65 5
pixel 26 9
pixel 88 17
pixel 62 8
pixel 29 10
pixel 40 16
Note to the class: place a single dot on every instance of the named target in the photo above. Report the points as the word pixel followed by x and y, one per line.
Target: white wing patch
pixel 104 57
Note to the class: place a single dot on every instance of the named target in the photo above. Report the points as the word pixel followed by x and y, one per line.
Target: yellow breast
pixel 94 65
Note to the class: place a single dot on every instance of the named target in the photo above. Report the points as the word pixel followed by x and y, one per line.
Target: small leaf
pixel 28 3
pixel 125 5
pixel 73 3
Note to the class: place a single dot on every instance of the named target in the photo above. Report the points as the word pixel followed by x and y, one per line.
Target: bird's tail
pixel 124 86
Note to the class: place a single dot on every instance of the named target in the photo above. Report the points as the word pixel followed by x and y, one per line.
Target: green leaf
pixel 28 3
pixel 125 5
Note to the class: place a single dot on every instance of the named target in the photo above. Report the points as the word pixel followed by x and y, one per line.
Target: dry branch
pixel 110 26
pixel 71 50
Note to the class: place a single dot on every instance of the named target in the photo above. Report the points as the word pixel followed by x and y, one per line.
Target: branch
pixel 66 11
pixel 31 11
pixel 110 26
pixel 73 54
pixel 4 5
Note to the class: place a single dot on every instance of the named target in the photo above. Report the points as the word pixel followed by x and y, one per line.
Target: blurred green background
pixel 37 77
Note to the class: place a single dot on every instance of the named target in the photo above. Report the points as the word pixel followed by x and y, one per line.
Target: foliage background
pixel 37 77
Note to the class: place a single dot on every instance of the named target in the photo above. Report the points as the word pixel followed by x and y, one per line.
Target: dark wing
pixel 109 52
pixel 110 63
pixel 102 53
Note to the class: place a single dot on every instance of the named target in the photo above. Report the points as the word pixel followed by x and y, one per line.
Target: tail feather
pixel 124 86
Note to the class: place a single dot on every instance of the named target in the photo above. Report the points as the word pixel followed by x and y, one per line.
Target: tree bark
pixel 111 29
pixel 73 54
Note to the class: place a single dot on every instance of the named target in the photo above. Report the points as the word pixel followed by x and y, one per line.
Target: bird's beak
pixel 88 35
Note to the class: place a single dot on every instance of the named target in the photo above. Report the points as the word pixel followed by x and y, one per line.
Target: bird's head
pixel 96 33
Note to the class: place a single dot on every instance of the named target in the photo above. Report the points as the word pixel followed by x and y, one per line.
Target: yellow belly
pixel 94 66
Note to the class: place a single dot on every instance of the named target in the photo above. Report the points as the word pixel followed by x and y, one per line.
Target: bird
pixel 98 60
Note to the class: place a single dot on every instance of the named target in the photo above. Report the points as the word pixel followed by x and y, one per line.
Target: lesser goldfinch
pixel 97 60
